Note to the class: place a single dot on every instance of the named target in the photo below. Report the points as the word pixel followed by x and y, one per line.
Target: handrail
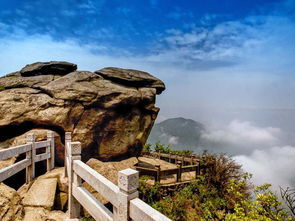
pixel 14 151
pixel 188 159
pixel 157 173
pixel 181 161
pixel 31 157
pixel 139 210
pixel 123 197
pixel 98 182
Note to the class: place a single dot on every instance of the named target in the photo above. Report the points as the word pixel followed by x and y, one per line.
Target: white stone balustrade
pixel 31 157
pixel 124 197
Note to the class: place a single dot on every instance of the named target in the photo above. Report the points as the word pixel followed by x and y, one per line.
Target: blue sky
pixel 131 25
pixel 219 59
pixel 228 64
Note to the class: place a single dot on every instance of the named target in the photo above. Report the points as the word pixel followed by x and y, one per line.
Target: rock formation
pixel 45 198
pixel 10 204
pixel 110 111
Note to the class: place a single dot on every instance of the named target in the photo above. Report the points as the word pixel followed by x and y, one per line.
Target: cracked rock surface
pixel 10 204
pixel 110 111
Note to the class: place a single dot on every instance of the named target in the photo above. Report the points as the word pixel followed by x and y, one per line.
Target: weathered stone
pixel 41 194
pixel 61 200
pixel 35 213
pixel 22 191
pixel 41 214
pixel 11 208
pixel 132 78
pixel 55 216
pixel 57 173
pixel 111 118
pixel 48 68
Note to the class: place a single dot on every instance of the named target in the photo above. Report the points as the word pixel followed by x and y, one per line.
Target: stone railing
pixel 124 197
pixel 31 157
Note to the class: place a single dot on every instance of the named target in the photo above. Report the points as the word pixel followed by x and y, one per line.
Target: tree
pixel 288 195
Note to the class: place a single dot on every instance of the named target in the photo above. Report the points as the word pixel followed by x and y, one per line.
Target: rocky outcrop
pixel 45 198
pixel 11 208
pixel 132 78
pixel 48 68
pixel 111 111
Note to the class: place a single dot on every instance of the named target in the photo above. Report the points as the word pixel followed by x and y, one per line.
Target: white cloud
pixel 255 42
pixel 241 137
pixel 262 151
pixel 173 140
pixel 230 65
pixel 274 165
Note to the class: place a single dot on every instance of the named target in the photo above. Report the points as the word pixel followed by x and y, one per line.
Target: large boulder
pixel 11 208
pixel 110 111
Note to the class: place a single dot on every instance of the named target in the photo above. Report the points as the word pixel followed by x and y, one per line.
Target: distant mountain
pixel 179 133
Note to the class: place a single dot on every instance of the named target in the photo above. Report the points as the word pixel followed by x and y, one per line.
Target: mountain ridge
pixel 179 133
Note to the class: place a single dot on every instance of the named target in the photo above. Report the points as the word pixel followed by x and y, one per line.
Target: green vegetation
pixel 158 147
pixel 222 192
pixel 87 219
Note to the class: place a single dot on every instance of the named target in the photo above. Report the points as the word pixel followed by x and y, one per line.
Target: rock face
pixel 48 68
pixel 10 204
pixel 45 198
pixel 110 111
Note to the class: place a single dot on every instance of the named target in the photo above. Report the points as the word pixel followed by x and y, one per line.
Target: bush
pixel 148 193
pixel 222 192
pixel 167 149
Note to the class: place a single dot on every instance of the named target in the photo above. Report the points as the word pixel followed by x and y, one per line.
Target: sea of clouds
pixel 266 152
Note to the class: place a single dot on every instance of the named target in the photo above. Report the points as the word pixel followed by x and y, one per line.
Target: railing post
pixel 68 138
pixel 30 170
pixel 178 176
pixel 74 154
pixel 199 168
pixel 158 168
pixel 128 184
pixel 51 150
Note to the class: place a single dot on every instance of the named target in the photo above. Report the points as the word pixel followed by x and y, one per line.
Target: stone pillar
pixel 128 184
pixel 51 149
pixel 74 206
pixel 30 170
pixel 68 138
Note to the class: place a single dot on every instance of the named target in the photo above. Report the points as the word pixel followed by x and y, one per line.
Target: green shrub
pixel 222 192
pixel 147 148
pixel 158 147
